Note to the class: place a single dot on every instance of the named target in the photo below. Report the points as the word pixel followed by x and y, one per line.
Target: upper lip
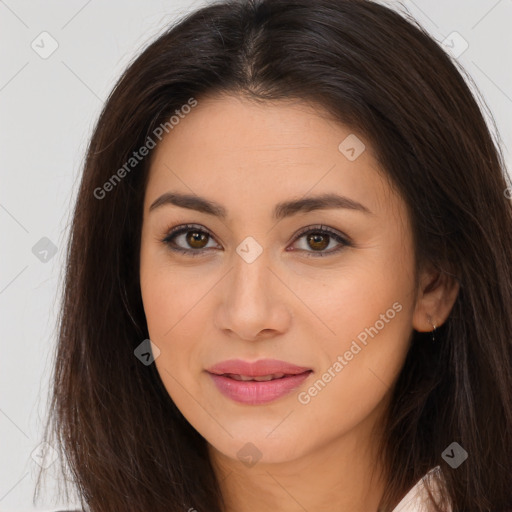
pixel 258 368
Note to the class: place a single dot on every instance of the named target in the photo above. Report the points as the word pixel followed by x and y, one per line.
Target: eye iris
pixel 195 239
pixel 320 241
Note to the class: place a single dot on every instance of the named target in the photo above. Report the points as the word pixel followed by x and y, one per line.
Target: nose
pixel 253 301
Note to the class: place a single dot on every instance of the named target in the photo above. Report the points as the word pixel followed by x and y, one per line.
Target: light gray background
pixel 47 110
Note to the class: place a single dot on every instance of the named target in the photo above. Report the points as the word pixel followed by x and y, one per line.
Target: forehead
pixel 262 153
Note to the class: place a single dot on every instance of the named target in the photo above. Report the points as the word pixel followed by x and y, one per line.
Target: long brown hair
pixel 126 445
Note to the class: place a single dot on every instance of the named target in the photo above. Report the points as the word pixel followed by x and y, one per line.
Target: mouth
pixel 261 378
pixel 257 383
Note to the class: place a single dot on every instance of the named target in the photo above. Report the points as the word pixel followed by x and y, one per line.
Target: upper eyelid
pixel 180 229
pixel 183 228
pixel 320 227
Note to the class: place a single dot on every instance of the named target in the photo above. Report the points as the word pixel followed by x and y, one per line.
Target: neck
pixel 342 474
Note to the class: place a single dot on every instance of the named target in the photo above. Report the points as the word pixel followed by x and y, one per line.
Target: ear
pixel 437 292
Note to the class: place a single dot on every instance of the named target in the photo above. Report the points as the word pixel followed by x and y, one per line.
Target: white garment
pixel 417 499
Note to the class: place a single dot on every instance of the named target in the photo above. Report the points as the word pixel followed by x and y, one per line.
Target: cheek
pixel 169 310
pixel 174 305
pixel 369 313
pixel 176 319
pixel 168 306
pixel 167 293
pixel 349 300
pixel 158 302
pixel 360 371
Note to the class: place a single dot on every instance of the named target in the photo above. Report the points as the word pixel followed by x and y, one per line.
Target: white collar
pixel 416 500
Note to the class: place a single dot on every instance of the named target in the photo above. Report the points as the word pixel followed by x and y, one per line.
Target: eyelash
pixel 310 229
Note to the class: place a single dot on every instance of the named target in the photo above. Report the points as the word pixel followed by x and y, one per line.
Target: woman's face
pixel 268 278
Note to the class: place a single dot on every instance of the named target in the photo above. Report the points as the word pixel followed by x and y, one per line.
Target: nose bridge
pixel 250 277
pixel 250 303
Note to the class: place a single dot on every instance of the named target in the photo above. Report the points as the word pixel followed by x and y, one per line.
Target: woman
pixel 289 276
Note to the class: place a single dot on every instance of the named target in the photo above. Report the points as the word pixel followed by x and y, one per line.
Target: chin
pixel 256 449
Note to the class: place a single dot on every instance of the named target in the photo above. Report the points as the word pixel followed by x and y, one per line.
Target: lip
pixel 257 368
pixel 253 392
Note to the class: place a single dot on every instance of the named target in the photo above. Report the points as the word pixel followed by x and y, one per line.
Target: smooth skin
pixel 288 304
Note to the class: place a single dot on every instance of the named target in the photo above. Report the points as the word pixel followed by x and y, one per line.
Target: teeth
pixel 263 378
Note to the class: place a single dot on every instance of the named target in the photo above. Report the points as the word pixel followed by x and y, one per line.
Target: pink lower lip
pixel 255 393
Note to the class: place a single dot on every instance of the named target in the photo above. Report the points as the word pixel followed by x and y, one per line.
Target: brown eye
pixel 197 239
pixel 319 238
pixel 318 241
pixel 193 241
pixel 188 239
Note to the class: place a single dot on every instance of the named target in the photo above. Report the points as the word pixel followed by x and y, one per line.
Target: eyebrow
pixel 281 210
